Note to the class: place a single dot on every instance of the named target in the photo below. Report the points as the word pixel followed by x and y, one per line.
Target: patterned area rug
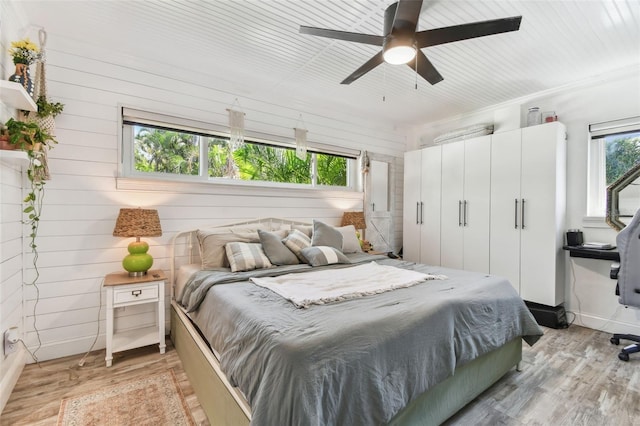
pixel 154 400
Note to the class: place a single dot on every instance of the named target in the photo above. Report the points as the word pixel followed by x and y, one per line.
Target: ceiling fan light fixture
pixel 398 50
pixel 399 55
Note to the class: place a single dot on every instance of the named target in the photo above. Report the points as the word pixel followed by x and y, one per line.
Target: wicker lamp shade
pixel 354 218
pixel 137 223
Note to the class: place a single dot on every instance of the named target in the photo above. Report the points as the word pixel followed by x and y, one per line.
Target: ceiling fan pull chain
pixel 416 60
pixel 384 83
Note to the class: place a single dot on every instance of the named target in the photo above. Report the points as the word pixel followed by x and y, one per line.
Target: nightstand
pixel 123 290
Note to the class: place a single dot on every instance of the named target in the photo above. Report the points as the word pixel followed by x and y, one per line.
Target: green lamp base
pixel 137 262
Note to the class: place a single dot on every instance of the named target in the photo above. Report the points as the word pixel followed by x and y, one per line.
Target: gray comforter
pixel 355 362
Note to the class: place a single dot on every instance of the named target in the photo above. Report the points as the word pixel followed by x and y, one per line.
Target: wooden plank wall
pixel 84 196
pixel 11 260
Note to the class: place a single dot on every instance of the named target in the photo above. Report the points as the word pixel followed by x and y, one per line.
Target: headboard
pixel 185 249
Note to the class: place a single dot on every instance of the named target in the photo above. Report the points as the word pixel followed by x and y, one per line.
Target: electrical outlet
pixel 11 340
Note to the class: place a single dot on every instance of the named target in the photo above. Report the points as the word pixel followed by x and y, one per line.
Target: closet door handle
pixel 421 212
pixel 522 214
pixel 459 213
pixel 515 211
pixel 417 212
pixel 465 213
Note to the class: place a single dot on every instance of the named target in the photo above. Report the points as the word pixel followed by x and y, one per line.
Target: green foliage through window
pixel 167 151
pixel 623 152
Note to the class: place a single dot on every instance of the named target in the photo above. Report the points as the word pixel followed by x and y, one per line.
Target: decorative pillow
pixel 276 251
pixel 296 241
pixel 326 235
pixel 305 229
pixel 246 256
pixel 350 242
pixel 213 241
pixel 323 255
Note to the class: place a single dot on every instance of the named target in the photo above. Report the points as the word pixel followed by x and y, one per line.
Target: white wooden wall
pixel 84 197
pixel 11 183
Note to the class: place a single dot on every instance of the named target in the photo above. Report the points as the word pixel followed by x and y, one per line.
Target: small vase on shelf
pixel 23 76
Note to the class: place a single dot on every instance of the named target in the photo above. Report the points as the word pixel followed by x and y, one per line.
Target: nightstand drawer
pixel 134 294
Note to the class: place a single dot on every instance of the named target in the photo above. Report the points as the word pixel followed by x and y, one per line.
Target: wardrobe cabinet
pixel 528 199
pixel 464 239
pixel 421 212
pixel 493 204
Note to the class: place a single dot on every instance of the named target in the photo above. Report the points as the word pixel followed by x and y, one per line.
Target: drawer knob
pixel 136 293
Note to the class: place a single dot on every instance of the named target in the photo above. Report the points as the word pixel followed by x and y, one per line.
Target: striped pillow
pixel 246 256
pixel 323 255
pixel 296 241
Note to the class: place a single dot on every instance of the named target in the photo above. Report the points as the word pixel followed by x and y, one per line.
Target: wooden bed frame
pixel 225 405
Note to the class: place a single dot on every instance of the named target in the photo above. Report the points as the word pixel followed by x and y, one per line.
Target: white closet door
pixel 451 239
pixel 430 207
pixel 544 197
pixel 411 213
pixel 476 204
pixel 505 222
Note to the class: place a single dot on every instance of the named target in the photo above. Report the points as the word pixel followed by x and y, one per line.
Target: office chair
pixel 628 274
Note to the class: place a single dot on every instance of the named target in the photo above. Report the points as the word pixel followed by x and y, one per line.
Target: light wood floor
pixel 570 377
pixel 40 389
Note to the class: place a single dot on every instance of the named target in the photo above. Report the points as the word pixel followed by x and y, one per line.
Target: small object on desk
pixel 599 246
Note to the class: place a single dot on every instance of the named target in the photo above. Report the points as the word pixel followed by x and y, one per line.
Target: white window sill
pixel 233 188
pixel 594 222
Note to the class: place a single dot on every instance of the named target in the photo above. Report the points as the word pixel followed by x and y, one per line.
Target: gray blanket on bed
pixel 355 362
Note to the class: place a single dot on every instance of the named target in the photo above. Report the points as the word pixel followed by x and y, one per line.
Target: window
pixel 158 146
pixel 614 149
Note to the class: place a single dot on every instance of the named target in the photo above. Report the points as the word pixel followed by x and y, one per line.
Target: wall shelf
pixel 15 156
pixel 13 95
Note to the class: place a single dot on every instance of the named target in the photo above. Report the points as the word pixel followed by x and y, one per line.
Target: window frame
pixel 596 171
pixel 131 116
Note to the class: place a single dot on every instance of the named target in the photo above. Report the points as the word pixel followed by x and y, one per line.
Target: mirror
pixel 379 171
pixel 623 198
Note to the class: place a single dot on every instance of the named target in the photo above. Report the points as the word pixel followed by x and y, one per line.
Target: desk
pixel 592 253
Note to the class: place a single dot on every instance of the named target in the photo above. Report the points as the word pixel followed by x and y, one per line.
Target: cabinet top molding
pixel 13 95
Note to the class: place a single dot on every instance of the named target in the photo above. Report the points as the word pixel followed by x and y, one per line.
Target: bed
pixel 412 354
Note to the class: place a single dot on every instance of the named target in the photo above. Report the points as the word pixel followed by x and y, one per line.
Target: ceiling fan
pixel 401 43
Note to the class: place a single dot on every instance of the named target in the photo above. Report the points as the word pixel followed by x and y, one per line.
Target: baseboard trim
pixel 607 325
pixel 11 374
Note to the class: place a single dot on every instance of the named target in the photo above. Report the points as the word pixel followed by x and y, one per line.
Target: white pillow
pixel 350 242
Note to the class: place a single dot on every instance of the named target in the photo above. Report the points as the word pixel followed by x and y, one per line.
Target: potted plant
pixel 28 136
pixel 45 116
pixel 32 139
pixel 24 53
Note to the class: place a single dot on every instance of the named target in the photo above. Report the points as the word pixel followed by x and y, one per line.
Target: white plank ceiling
pixel 253 49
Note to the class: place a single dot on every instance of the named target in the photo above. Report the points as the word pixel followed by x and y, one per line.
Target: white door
pixel 430 205
pixel 476 204
pixel 451 239
pixel 505 222
pixel 543 195
pixel 411 206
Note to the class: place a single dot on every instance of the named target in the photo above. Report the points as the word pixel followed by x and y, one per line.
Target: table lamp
pixel 137 223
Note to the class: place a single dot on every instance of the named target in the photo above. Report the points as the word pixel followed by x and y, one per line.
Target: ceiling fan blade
pixel 368 66
pixel 343 35
pixel 425 68
pixel 407 15
pixel 466 31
